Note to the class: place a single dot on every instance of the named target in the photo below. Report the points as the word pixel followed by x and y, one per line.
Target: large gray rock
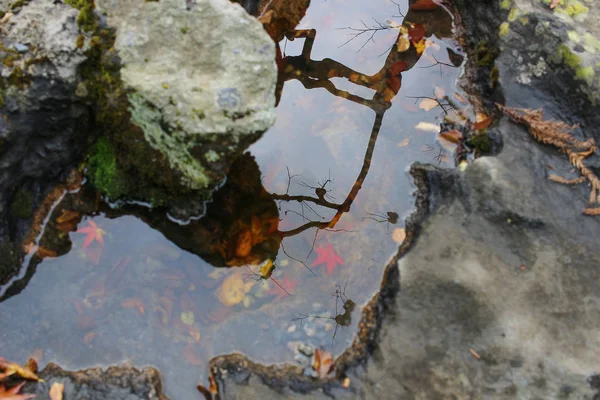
pixel 43 123
pixel 203 78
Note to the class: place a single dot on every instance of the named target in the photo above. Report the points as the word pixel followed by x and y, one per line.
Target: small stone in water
pixel 306 349
pixel 291 328
pixel 310 331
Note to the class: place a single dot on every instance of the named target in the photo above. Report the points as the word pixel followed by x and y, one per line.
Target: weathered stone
pixel 43 124
pixel 202 78
pixel 122 382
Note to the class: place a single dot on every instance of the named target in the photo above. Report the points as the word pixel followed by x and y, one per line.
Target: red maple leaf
pixel 92 233
pixel 283 288
pixel 329 257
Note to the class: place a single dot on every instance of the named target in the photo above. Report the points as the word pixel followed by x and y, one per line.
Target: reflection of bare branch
pixel 444 106
pixel 438 63
pixel 355 33
pixel 295 259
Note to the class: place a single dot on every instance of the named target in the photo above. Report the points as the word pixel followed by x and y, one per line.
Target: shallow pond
pixel 294 243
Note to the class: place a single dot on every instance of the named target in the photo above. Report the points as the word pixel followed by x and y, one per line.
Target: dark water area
pixel 294 243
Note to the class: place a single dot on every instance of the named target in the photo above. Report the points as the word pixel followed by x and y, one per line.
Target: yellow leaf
pixel 399 235
pixel 428 126
pixel 403 44
pixel 15 369
pixel 56 391
pixel 266 269
pixel 419 46
pixel 428 104
pixel 233 290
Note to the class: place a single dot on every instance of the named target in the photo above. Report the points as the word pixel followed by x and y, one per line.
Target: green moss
pixel 484 55
pixel 585 73
pixel 104 172
pixel 19 78
pixel 505 4
pixel 573 8
pixel 185 29
pixel 22 204
pixel 80 42
pixel 86 19
pixel 513 14
pixel 504 29
pixel 1 104
pixel 481 142
pixel 18 4
pixel 568 57
pixel 494 76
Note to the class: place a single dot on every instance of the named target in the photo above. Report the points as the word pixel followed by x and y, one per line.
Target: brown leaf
pixel 15 369
pixel 32 365
pixel 554 3
pixel 428 104
pixel 453 136
pixel 44 252
pixel 68 216
pixel 404 143
pixel 482 122
pixel 56 391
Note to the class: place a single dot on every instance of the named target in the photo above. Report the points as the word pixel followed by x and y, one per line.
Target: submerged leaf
pixel 323 363
pixel 56 391
pixel 15 369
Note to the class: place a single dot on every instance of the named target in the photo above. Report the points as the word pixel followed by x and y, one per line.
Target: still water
pixel 292 246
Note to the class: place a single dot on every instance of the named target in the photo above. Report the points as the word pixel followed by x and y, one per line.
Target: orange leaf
pixel 56 391
pixel 134 303
pixel 323 363
pixel 483 121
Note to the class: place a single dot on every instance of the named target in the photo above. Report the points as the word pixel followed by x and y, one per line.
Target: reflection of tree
pixel 386 83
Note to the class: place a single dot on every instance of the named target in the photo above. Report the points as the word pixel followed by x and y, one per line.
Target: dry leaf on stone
pixel 56 391
pixel 399 235
pixel 554 3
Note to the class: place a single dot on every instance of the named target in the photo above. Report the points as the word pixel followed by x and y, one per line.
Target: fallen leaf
pixel 399 235
pixel 187 317
pixel 87 339
pixel 323 363
pixel 134 303
pixel 92 233
pixel 404 143
pixel 32 365
pixel 327 256
pixel 419 46
pixel 15 369
pixel 346 383
pixel 428 104
pixel 554 3
pixel 43 252
pixel 67 216
pixel 233 290
pixel 403 44
pixel 475 354
pixel 482 121
pixel 13 393
pixel 266 269
pixel 56 391
pixel 428 126
pixel 37 355
pixel 266 17
pixel 439 92
pixel 453 136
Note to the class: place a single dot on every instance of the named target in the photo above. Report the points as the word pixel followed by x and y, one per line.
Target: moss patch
pixel 22 204
pixel 104 172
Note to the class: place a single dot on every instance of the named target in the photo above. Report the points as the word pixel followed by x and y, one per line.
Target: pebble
pixel 21 48
pixel 310 331
pixel 291 328
pixel 306 349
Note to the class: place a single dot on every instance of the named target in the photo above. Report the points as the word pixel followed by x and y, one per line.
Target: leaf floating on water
pixel 399 235
pixel 428 104
pixel 428 126
pixel 453 136
pixel 328 256
pixel 439 92
pixel 403 44
pixel 9 369
pixel 404 143
pixel 323 363
pixel 56 391
pixel 92 233
pixel 482 121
